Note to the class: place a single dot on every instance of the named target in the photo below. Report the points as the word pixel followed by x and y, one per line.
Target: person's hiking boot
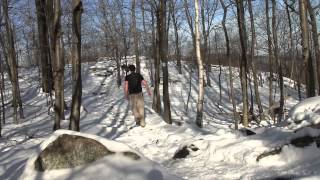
pixel 137 123
pixel 142 123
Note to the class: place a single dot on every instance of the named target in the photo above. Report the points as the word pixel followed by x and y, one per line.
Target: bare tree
pixel 13 71
pixel 276 55
pixel 270 56
pixel 253 65
pixel 58 66
pixel 162 45
pixel 46 69
pixel 314 29
pixel 199 117
pixel 225 11
pixel 172 5
pixel 208 10
pixel 156 103
pixel 147 51
pixel 243 63
pixel 2 86
pixel 307 59
pixel 135 35
pixel 76 65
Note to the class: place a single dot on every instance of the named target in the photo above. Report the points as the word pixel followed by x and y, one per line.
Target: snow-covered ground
pixel 216 151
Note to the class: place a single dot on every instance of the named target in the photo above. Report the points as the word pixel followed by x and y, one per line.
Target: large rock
pixel 73 155
pixel 69 151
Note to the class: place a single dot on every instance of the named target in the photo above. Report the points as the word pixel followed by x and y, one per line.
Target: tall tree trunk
pixel 307 60
pixel 176 36
pixel 225 11
pixel 270 57
pixel 253 65
pixel 2 89
pixel 190 24
pixel 291 51
pixel 135 36
pixel 46 70
pixel 11 53
pixel 58 66
pixel 314 29
pixel 2 60
pixel 205 46
pixel 76 65
pixel 276 55
pixel 118 62
pixel 243 63
pixel 162 36
pixel 199 121
pixel 156 103
pixel 146 49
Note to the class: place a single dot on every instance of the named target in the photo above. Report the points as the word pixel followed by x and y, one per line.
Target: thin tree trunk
pixel 156 103
pixel 58 67
pixel 276 55
pixel 11 53
pixel 150 63
pixel 205 46
pixel 315 39
pixel 135 36
pixel 2 89
pixel 176 36
pixel 253 65
pixel 76 65
pixel 243 64
pixel 292 53
pixel 270 57
pixel 118 62
pixel 225 11
pixel 199 121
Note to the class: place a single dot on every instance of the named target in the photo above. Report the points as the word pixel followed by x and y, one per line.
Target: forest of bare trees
pixel 280 38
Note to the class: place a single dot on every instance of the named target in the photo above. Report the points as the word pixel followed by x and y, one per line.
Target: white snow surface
pixel 222 152
pixel 306 113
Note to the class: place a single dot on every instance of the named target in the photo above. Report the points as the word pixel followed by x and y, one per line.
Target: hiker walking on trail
pixel 133 93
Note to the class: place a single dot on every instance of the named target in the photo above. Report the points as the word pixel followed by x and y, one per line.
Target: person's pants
pixel 137 105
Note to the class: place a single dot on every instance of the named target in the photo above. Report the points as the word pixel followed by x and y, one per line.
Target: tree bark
pixel 205 35
pixel 225 11
pixel 291 53
pixel 270 57
pixel 307 60
pixel 253 65
pixel 162 36
pixel 76 65
pixel 314 29
pixel 199 121
pixel 176 36
pixel 46 70
pixel 135 36
pixel 2 87
pixel 156 103
pixel 276 55
pixel 58 66
pixel 11 53
pixel 243 63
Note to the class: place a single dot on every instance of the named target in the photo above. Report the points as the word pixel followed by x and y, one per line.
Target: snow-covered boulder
pixel 74 155
pixel 305 113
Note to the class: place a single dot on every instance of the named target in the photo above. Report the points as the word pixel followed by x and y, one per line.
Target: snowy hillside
pixel 216 151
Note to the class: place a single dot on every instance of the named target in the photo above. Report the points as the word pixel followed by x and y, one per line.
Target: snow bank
pixel 305 113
